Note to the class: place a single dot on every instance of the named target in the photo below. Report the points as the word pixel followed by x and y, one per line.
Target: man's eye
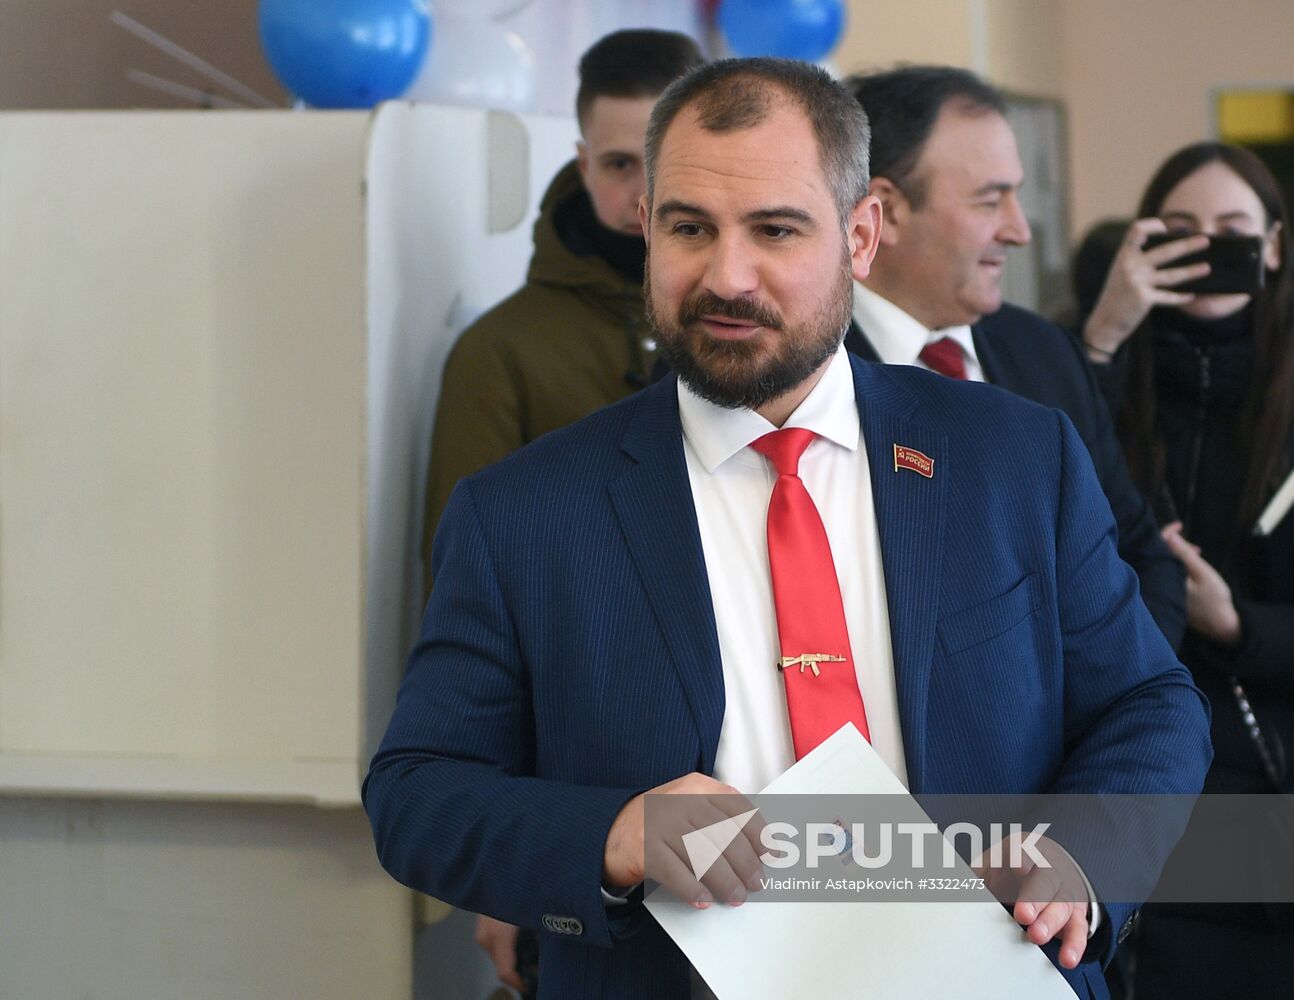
pixel 687 229
pixel 777 232
pixel 620 165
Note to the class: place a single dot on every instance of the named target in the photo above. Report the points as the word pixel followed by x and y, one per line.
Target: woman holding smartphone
pixel 1202 390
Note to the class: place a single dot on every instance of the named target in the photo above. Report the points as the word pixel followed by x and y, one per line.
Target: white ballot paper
pixel 967 950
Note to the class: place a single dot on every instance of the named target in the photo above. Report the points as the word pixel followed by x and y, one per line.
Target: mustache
pixel 744 310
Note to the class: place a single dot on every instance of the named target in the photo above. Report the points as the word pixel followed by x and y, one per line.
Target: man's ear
pixel 863 235
pixel 644 217
pixel 894 205
pixel 582 160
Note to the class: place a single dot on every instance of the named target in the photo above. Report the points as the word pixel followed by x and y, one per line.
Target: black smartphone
pixel 1235 264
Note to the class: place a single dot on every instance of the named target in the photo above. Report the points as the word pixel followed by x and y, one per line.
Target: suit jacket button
pixel 562 925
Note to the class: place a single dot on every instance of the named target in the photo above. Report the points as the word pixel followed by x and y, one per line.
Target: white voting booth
pixel 221 337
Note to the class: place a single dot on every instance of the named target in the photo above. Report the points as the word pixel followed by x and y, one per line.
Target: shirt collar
pixel 897 337
pixel 717 433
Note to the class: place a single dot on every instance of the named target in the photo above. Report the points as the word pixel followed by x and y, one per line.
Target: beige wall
pixel 1024 45
pixel 1016 42
pixel 1139 79
pixel 67 54
pixel 878 34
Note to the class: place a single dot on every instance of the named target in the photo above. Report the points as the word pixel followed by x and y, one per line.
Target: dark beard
pixel 738 374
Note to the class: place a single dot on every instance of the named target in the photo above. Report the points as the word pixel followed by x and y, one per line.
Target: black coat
pixel 1200 393
pixel 1201 380
pixel 1031 357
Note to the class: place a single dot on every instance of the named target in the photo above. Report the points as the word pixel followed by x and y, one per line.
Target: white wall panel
pixel 182 393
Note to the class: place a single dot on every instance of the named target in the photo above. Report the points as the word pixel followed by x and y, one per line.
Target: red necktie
pixel 816 664
pixel 945 357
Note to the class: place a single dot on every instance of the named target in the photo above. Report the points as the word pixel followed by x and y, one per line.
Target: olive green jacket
pixel 574 338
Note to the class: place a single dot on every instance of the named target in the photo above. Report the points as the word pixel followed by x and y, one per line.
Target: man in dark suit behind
pixel 946 169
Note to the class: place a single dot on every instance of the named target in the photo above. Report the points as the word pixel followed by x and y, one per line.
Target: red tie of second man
pixel 945 357
pixel 816 663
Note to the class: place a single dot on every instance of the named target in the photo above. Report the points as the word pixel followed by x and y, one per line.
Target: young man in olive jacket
pixel 574 337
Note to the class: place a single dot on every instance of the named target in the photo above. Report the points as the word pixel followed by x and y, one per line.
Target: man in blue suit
pixel 945 167
pixel 603 622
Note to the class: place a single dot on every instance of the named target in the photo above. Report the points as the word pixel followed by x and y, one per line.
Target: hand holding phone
pixel 1138 280
pixel 1235 264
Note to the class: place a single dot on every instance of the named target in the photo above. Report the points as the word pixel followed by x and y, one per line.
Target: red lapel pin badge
pixel 918 461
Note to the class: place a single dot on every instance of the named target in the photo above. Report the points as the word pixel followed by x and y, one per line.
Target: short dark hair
pixel 736 94
pixel 903 104
pixel 640 62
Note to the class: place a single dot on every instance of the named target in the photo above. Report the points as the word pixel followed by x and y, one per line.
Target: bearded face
pixel 750 262
pixel 758 366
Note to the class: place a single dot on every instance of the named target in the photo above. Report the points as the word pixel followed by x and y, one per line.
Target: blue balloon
pixel 793 29
pixel 345 53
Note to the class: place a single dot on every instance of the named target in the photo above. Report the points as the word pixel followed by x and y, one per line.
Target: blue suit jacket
pixel 569 658
pixel 1025 354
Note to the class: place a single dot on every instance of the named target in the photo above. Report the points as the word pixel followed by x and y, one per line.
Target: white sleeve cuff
pixel 1093 907
pixel 612 897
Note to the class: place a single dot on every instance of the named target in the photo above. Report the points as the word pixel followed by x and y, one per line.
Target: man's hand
pixel 1210 609
pixel 631 855
pixel 1047 902
pixel 499 941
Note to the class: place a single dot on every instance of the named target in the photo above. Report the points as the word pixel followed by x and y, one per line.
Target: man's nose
pixel 1014 230
pixel 731 271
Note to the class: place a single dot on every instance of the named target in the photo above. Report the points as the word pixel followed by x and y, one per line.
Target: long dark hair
pixel 1268 412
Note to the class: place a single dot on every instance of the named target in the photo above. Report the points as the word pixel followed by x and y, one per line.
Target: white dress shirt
pixel 899 339
pixel 731 485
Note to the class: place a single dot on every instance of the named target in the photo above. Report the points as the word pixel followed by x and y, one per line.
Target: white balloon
pixel 476 63
pixel 476 10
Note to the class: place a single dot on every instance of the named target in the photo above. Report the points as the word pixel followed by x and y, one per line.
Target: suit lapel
pixel 910 512
pixel 653 504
